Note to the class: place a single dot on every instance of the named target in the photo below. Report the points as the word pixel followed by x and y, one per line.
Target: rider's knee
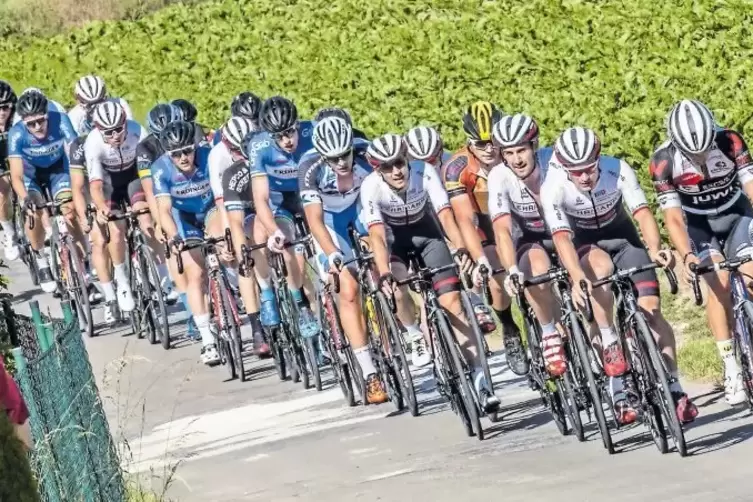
pixel 598 262
pixel 451 302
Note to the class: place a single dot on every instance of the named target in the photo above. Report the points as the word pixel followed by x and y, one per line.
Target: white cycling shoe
pixel 125 299
pixel 420 355
pixel 734 393
pixel 209 355
pixel 12 251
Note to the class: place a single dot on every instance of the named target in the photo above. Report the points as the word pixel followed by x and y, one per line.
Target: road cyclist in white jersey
pixel 523 241
pixel 329 180
pixel 404 204
pixel 225 156
pixel 585 196
pixel 89 91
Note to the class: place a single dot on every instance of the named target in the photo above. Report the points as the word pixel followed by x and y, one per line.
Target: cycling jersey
pixel 77 114
pixel 508 194
pixel 236 195
pixel 464 174
pixel 4 147
pixel 383 205
pixel 708 190
pixel 190 192
pixel 265 158
pixel 76 155
pixel 566 208
pixel 40 154
pixel 103 159
pixel 52 107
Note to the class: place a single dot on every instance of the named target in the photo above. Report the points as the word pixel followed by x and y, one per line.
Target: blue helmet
pixel 161 115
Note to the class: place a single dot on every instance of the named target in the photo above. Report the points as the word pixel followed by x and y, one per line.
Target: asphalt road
pixel 186 431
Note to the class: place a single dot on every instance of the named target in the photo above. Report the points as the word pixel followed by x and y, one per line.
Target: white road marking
pixel 386 475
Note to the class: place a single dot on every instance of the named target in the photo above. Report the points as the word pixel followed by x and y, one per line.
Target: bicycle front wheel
pixel 76 287
pixel 745 347
pixel 156 311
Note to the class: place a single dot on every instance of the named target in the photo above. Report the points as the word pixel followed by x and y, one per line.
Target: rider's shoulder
pixel 306 128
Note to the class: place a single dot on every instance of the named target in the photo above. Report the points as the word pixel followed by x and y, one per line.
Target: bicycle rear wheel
pixel 77 289
pixel 156 311
pixel 278 352
pixel 310 354
pixel 745 348
pixel 397 354
pixel 480 344
pixel 330 322
pixel 229 323
pixel 569 396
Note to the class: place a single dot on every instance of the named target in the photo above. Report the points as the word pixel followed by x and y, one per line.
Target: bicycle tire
pixel 552 394
pixel 593 389
pixel 658 373
pixel 571 404
pixel 340 368
pixel 309 353
pixel 448 386
pixel 228 358
pixel 77 287
pixel 228 317
pixel 278 353
pixel 746 354
pixel 382 362
pixel 156 309
pixel 137 314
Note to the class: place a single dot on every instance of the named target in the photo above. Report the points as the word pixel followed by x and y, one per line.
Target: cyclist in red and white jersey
pixel 585 196
pixel 703 176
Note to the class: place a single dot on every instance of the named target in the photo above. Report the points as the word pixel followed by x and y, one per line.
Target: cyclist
pixel 703 177
pixel 425 144
pixel 343 114
pixel 273 157
pixel 246 105
pixel 7 108
pixel 38 160
pixel 330 178
pixel 593 234
pixel 186 210
pixel 522 237
pixel 223 157
pixel 404 205
pixel 465 178
pixel 90 90
pixel 189 112
pixel 52 106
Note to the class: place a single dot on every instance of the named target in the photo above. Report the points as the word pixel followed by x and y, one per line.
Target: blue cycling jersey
pixel 265 158
pixel 42 153
pixel 190 192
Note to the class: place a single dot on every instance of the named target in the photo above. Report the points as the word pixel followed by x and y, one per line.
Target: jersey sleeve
pixel 215 173
pixel 632 193
pixel 660 169
pixel 255 152
pixel 77 156
pixel 437 194
pixel 16 142
pixel 733 146
pixel 308 176
pixel 551 202
pixel 235 187
pixel 92 152
pixel 453 174
pixel 371 214
pixel 66 128
pixel 499 198
pixel 161 177
pixel 144 159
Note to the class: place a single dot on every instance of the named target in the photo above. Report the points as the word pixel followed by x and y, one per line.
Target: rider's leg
pixel 117 251
pixel 269 314
pixel 6 214
pixel 194 273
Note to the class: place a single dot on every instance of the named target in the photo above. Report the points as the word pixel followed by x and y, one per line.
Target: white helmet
pixel 235 131
pixel 91 89
pixel 108 115
pixel 386 149
pixel 333 137
pixel 577 147
pixel 690 126
pixel 514 130
pixel 423 142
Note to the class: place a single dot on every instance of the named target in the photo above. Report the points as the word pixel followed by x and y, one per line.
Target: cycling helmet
pixel 7 95
pixel 178 134
pixel 90 89
pixel 333 137
pixel 278 114
pixel 235 131
pixel 247 105
pixel 187 109
pixel 108 115
pixel 479 119
pixel 423 142
pixel 32 89
pixel 515 130
pixel 161 115
pixel 31 103
pixel 334 112
pixel 386 149
pixel 577 147
pixel 691 127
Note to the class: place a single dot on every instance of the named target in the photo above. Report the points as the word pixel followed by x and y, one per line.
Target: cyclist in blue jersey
pixel 273 157
pixel 186 210
pixel 38 159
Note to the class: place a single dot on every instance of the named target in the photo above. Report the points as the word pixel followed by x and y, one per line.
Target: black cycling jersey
pixel 4 145
pixel 77 157
pixel 149 150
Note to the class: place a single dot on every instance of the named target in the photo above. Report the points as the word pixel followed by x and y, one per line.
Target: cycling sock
pixel 608 336
pixel 505 316
pixel 363 356
pixel 255 321
pixel 184 302
pixel 300 297
pixel 726 350
pixel 42 260
pixel 202 323
pixel 121 276
pixel 109 291
pixel 8 227
pixel 548 329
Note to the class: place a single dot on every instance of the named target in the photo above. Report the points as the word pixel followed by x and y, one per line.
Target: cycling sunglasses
pixel 388 167
pixel 108 133
pixel 339 158
pixel 176 154
pixel 287 133
pixel 481 144
pixel 577 173
pixel 6 106
pixel 35 124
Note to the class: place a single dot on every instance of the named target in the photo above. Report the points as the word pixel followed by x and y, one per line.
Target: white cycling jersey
pixel 77 114
pixel 52 106
pixel 566 208
pixel 102 158
pixel 220 158
pixel 382 204
pixel 508 194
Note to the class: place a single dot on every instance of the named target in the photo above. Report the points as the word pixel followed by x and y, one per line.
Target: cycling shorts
pixel 55 178
pixel 624 246
pixel 123 187
pixel 191 225
pixel 425 238
pixel 289 202
pixel 725 234
pixel 525 241
pixel 337 225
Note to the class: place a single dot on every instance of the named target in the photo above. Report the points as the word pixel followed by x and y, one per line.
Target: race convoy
pixel 305 242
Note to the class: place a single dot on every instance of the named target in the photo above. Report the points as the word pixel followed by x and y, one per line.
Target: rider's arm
pixel 462 206
pixel 165 210
pixel 734 146
pixel 77 164
pixel 16 163
pixel 260 192
pixel 669 201
pixel 160 177
pixel 499 212
pixel 371 214
pixel 557 221
pixel 503 236
pixel 144 160
pixel 441 204
pixel 312 204
pixel 92 152
pixel 636 202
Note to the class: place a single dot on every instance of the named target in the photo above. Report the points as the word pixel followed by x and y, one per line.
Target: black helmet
pixel 31 103
pixel 7 95
pixel 334 112
pixel 278 114
pixel 247 105
pixel 479 120
pixel 161 115
pixel 177 135
pixel 187 108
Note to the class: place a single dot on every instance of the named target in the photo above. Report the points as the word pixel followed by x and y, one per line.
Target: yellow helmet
pixel 479 119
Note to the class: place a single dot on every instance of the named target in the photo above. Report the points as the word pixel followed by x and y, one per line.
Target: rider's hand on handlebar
pixel 177 243
pixel 512 287
pixel 276 241
pixel 159 234
pixel 663 257
pixel 29 205
pixel 477 276
pixel 463 258
pixel 387 285
pixel 84 222
pixel 103 215
pixel 580 296
pixel 335 261
pixel 689 259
